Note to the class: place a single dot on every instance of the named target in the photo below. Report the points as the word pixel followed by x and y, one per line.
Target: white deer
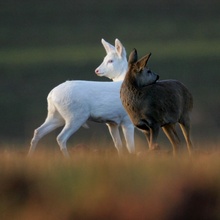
pixel 72 103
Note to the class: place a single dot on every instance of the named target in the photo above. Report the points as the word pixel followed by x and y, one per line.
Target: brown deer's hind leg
pixel 185 130
pixel 171 134
pixel 185 127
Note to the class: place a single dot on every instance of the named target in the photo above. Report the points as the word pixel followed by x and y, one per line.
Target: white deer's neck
pixel 119 78
pixel 121 75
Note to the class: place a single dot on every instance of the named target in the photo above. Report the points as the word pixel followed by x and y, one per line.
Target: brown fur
pixel 152 104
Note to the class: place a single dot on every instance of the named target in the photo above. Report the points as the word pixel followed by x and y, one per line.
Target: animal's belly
pixel 102 120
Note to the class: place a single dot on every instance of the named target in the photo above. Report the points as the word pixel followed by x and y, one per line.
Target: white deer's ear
pixel 119 48
pixel 108 47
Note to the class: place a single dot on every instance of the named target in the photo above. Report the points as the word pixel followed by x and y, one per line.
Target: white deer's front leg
pixel 49 125
pixel 128 131
pixel 114 131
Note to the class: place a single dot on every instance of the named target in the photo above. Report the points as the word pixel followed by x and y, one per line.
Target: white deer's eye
pixel 110 61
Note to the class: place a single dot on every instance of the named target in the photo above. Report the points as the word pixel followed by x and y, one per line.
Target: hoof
pixel 155 147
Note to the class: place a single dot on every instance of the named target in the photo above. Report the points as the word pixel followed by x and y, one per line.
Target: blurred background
pixel 44 43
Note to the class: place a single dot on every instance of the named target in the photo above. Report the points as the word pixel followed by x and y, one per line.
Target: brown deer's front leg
pixel 154 131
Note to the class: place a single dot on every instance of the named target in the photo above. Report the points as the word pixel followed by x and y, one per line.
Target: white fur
pixel 114 65
pixel 72 103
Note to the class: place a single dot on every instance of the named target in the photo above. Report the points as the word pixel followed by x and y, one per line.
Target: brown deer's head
pixel 139 71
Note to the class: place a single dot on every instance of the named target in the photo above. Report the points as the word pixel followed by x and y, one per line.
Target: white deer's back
pixel 97 98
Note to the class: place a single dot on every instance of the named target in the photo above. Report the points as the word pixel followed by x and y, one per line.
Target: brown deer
pixel 152 104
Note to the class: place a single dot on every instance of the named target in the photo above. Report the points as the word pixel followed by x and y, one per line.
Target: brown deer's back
pixel 164 101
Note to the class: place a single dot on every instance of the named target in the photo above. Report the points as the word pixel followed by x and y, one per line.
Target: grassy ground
pixel 99 185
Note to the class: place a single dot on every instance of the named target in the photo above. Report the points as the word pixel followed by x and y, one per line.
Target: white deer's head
pixel 114 65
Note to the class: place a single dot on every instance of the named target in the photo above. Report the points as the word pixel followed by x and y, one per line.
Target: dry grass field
pixel 96 184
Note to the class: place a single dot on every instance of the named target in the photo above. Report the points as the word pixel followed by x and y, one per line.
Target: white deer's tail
pixel 52 109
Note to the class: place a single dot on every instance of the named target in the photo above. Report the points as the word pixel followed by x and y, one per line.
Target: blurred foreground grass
pixel 99 185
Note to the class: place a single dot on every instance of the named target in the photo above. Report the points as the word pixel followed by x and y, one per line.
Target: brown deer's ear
pixel 133 57
pixel 143 61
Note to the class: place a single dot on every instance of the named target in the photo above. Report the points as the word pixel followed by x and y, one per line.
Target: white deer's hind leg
pixel 70 128
pixel 114 131
pixel 49 125
pixel 128 131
